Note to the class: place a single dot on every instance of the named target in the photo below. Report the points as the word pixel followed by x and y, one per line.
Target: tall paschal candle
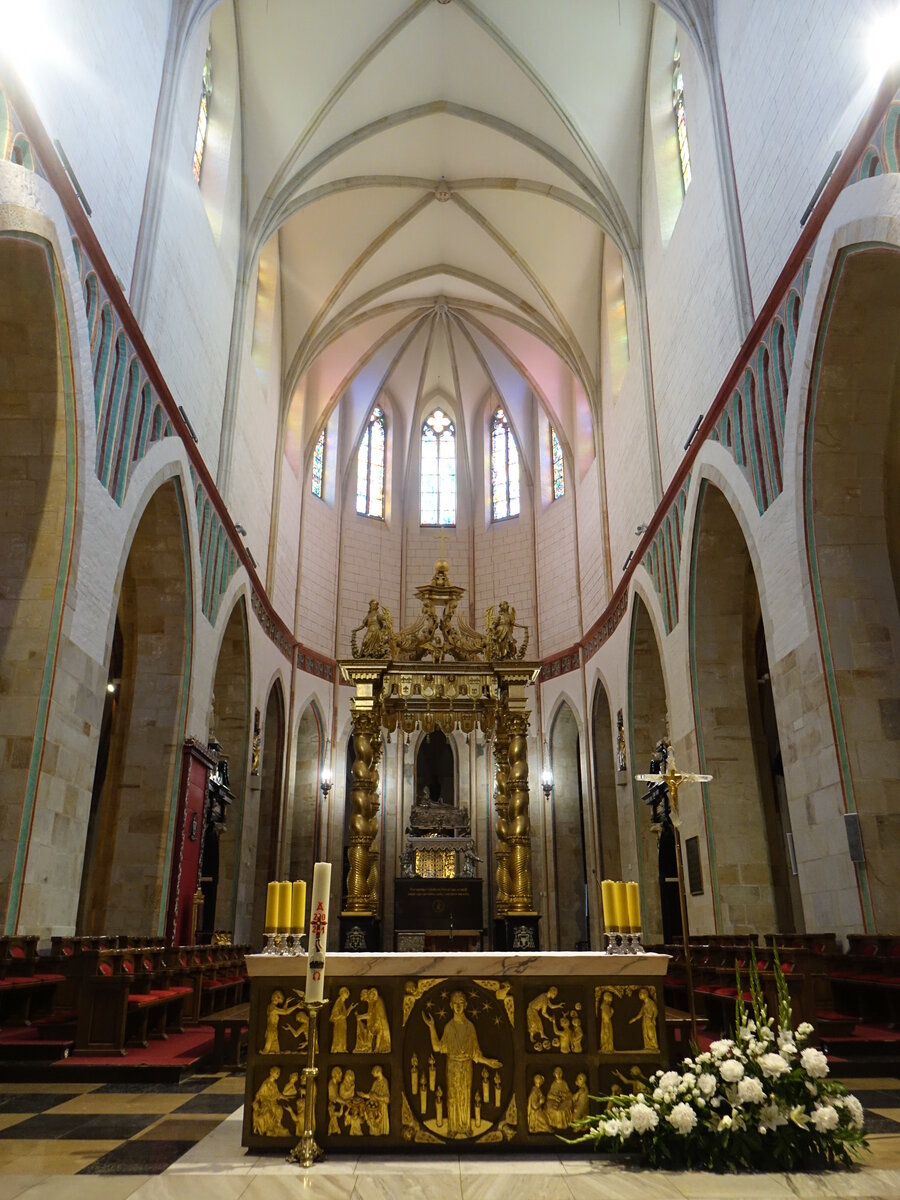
pixel 318 932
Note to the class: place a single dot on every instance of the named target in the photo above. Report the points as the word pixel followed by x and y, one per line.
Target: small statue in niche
pixel 379 633
pixel 621 764
pixel 340 1011
pixel 606 1027
pixel 470 863
pixel 256 745
pixel 647 1016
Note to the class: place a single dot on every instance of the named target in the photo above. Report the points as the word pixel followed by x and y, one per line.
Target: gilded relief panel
pixel 554 1020
pixel 628 1019
pixel 458 1061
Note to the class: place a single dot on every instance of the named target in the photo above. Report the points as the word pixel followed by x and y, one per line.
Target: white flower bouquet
pixel 761 1099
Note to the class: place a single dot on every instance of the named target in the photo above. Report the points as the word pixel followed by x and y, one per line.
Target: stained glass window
pixel 370 467
pixel 684 152
pixel 559 469
pixel 438 478
pixel 203 116
pixel 318 466
pixel 504 468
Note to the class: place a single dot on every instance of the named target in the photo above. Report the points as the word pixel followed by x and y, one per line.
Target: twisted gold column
pixel 501 748
pixel 362 876
pixel 518 833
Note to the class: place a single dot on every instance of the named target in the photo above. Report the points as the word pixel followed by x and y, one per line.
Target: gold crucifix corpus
pixel 673 779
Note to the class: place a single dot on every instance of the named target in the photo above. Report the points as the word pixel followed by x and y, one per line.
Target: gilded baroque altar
pixel 442 673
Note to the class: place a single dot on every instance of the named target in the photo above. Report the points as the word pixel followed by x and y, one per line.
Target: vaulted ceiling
pixel 440 176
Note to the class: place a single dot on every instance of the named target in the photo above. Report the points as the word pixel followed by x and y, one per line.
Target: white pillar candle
pixel 318 928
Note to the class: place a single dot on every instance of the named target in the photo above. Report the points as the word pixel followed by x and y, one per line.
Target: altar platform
pixel 465 1050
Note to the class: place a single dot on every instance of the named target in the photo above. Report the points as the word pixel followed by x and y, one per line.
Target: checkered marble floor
pixel 65 1141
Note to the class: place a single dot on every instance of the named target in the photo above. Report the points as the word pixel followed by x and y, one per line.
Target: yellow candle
pixel 633 896
pixel 271 907
pixel 620 905
pixel 298 906
pixel 606 896
pixel 284 907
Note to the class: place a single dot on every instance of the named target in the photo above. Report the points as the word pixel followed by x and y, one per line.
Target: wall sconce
pixel 326 778
pixel 547 774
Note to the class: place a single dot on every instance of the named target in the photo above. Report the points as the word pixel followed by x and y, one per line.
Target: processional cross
pixel 673 779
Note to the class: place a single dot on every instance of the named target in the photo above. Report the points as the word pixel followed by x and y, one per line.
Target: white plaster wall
pixel 809 62
pixel 98 101
pixel 690 303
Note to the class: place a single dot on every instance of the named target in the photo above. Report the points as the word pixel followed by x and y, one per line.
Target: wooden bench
pixel 230 1030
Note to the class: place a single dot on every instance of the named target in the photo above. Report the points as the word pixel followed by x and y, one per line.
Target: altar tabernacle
pixel 457 1049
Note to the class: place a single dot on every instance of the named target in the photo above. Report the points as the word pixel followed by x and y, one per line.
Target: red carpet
pixel 178 1050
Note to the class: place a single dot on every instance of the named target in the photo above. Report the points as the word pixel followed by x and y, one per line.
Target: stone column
pixel 362 876
pixel 518 820
pixel 501 805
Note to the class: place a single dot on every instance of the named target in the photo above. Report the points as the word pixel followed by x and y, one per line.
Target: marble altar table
pixel 466 1050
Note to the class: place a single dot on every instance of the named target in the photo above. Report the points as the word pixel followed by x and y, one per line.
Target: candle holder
pixel 307 1151
pixel 634 944
pixel 615 942
pixel 270 945
pixel 297 944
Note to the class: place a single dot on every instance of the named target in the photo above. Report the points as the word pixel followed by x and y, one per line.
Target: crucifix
pixel 672 779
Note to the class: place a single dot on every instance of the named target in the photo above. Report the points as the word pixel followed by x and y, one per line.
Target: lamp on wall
pixel 326 778
pixel 547 774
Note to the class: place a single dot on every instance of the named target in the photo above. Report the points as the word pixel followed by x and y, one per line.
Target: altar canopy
pixel 441 674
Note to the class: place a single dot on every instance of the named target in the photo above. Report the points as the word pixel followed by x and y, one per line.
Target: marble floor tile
pixel 228 1085
pixel 92 1102
pixel 391 1164
pixel 221 1103
pixel 12 1186
pixel 511 1164
pixel 617 1183
pixel 705 1185
pixel 54 1158
pixel 12 1089
pixel 190 1187
pixel 537 1186
pixel 86 1187
pixel 288 1187
pixel 7 1120
pixel 178 1128
pixel 442 1185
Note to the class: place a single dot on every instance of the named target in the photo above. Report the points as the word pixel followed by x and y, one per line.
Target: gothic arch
pixel 605 794
pixel 851 461
pixel 745 811
pixel 571 856
pixel 137 774
pixel 268 823
pixel 305 818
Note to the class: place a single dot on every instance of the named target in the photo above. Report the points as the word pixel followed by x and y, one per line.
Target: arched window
pixel 318 466
pixel 558 466
pixel 438 477
pixel 203 115
pixel 684 152
pixel 370 467
pixel 504 468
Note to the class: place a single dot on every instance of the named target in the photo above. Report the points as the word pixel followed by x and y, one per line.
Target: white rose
pixel 682 1118
pixel 804 1029
pixel 724 1124
pixel 825 1119
pixel 814 1062
pixel 731 1071
pixel 772 1065
pixel 644 1118
pixel 750 1091
pixel 657 1094
pixel 707 1084
pixel 626 1127
pixel 720 1048
pixel 855 1109
pixel 700 1102
pixel 688 1079
pixel 669 1080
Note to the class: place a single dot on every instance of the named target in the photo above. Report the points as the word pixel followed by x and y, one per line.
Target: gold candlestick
pixel 307 1151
